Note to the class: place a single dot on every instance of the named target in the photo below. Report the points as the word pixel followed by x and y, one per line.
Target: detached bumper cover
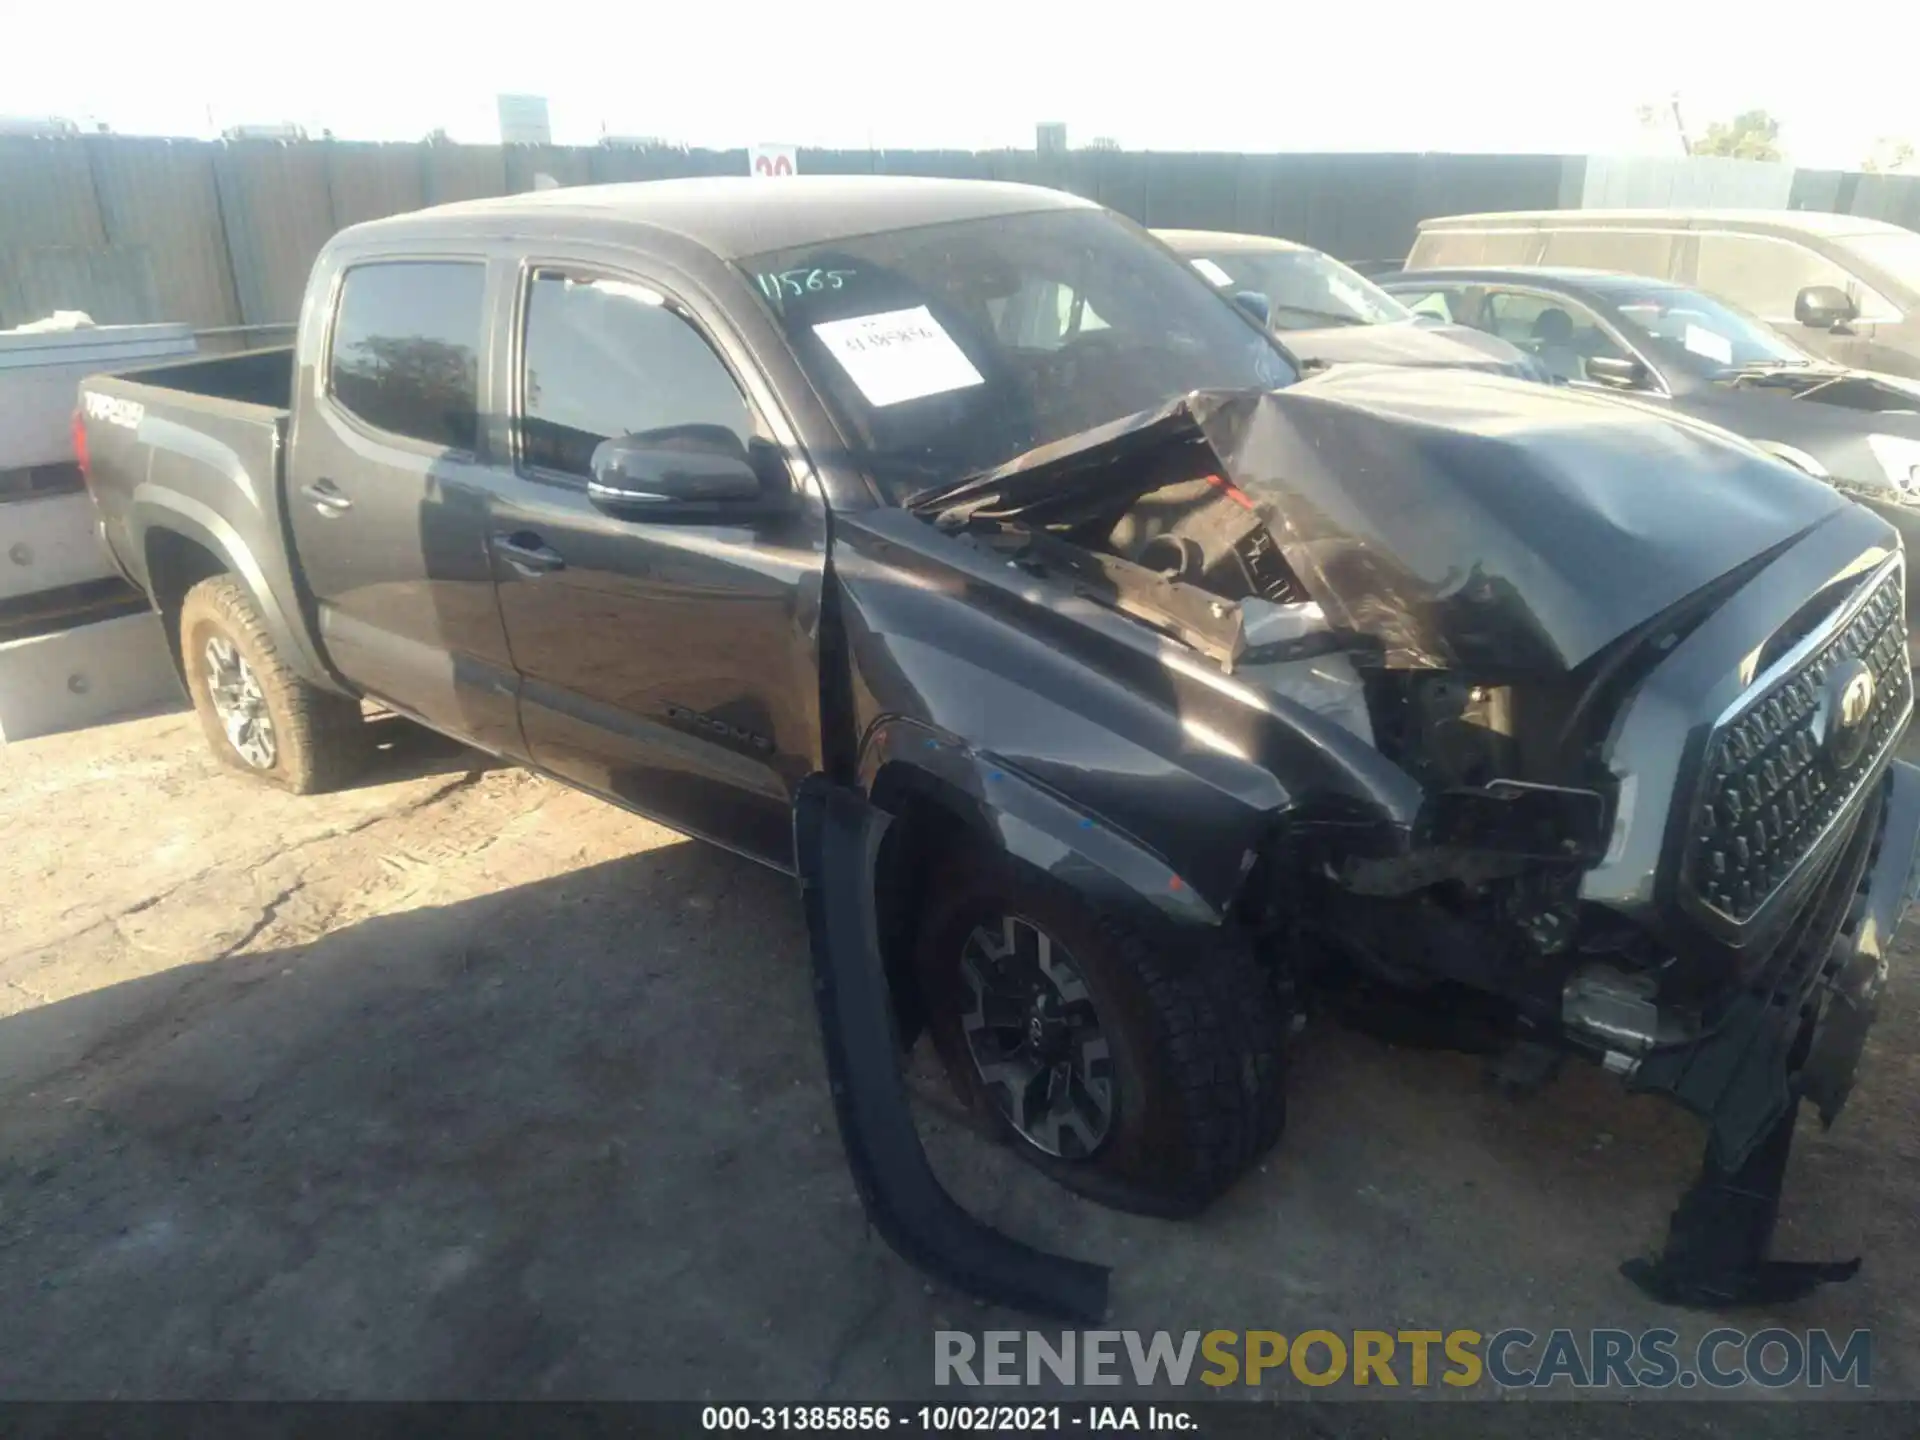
pixel 1857 970
pixel 1802 1033
pixel 1769 1052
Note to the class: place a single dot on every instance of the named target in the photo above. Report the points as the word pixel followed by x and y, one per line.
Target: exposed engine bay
pixel 1476 600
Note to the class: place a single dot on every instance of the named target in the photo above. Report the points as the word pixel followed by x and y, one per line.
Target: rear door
pixel 667 663
pixel 387 492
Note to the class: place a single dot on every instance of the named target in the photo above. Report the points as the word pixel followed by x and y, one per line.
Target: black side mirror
pixel 1255 304
pixel 1618 372
pixel 683 466
pixel 1821 307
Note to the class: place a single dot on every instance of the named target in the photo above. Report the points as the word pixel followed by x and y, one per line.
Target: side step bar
pixel 836 840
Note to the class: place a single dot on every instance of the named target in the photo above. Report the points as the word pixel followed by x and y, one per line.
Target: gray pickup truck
pixel 1117 694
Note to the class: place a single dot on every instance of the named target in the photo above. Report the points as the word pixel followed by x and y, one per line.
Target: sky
pixel 1258 75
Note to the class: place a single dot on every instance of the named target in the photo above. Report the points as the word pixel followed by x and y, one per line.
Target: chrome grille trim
pixel 1770 793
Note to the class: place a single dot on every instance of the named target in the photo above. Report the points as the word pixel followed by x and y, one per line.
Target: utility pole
pixel 1686 145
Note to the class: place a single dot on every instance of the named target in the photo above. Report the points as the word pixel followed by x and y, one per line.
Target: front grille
pixel 1772 785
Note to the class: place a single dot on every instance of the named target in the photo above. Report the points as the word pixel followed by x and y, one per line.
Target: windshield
pixel 1702 334
pixel 1305 290
pixel 950 349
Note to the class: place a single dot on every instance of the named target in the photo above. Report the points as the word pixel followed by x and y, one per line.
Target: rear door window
pixel 405 352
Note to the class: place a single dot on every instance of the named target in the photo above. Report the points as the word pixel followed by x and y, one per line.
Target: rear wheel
pixel 257 714
pixel 1141 1068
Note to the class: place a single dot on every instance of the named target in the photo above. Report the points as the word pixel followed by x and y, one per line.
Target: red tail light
pixel 80 449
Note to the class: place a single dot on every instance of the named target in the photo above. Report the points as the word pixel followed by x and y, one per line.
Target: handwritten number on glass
pixel 801 283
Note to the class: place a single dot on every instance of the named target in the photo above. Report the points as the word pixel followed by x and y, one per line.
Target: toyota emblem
pixel 1845 706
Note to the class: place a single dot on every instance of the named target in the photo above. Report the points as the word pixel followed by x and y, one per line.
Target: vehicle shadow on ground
pixel 399 749
pixel 574 1138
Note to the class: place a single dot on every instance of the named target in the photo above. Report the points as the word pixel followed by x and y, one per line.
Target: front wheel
pixel 1140 1066
pixel 257 714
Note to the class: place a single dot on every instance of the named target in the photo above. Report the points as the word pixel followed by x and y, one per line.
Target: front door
pixel 669 664
pixel 388 495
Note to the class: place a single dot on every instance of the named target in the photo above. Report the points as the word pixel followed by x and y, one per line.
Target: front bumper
pixel 1857 970
pixel 1801 1034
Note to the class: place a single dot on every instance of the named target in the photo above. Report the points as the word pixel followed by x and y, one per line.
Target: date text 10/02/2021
pixel 951 1419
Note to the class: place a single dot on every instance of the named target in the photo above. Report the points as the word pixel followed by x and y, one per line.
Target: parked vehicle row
pixel 1689 354
pixel 1117 692
pixel 1844 287
pixel 1327 313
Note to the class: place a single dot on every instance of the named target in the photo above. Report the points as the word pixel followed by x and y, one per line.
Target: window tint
pixel 1762 274
pixel 1043 315
pixel 1305 290
pixel 1437 248
pixel 1434 304
pixel 606 358
pixel 1563 335
pixel 1631 252
pixel 406 349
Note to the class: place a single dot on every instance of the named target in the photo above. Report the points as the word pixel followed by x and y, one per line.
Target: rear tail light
pixel 80 449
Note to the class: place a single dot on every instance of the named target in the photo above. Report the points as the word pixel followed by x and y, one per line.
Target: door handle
pixel 327 499
pixel 528 553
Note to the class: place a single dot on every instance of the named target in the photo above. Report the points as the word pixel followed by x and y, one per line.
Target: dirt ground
pixel 460 1084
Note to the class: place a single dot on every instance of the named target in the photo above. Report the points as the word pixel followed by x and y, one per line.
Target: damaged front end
pixel 1597 680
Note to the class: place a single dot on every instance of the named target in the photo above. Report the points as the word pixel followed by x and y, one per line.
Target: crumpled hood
pixel 1460 521
pixel 1423 346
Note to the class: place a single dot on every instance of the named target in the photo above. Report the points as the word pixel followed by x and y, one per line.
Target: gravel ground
pixel 459 1084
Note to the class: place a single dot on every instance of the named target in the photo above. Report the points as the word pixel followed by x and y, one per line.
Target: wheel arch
pixel 181 543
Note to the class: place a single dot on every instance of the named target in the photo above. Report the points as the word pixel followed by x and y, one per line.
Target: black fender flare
pixel 1030 822
pixel 837 836
pixel 171 512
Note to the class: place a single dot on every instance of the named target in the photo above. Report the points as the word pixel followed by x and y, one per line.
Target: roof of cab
pixel 738 215
pixel 1764 222
pixel 1223 241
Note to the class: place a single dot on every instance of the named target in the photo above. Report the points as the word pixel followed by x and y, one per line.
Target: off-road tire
pixel 1193 1024
pixel 318 735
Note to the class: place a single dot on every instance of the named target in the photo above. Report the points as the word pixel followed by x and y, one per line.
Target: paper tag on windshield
pixel 899 355
pixel 1215 275
pixel 1702 341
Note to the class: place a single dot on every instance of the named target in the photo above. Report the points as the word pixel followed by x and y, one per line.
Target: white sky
pixel 1476 75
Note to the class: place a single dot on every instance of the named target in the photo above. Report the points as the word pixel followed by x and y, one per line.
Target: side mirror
pixel 685 465
pixel 1255 304
pixel 1821 307
pixel 1617 372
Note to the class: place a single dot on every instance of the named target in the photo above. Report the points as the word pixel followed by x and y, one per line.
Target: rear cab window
pixel 404 357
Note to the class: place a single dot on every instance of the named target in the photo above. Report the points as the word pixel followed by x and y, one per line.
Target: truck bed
pixel 196 449
pixel 252 377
